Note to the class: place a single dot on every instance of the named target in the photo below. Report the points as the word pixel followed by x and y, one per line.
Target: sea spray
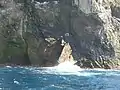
pixel 67 67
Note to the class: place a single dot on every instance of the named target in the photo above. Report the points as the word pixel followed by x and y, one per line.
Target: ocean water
pixel 61 77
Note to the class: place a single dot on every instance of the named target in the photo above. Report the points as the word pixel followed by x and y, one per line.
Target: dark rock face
pixel 13 47
pixel 96 32
pixel 43 52
pixel 31 32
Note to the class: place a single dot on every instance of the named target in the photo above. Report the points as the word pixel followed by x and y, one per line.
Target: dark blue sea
pixel 58 78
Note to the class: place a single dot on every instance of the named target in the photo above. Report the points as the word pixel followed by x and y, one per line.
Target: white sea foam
pixel 68 68
pixel 8 66
pixel 16 82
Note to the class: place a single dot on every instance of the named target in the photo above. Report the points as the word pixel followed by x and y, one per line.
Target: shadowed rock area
pixel 32 32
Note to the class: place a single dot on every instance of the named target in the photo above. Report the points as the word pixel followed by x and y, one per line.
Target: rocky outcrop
pixel 43 52
pixel 66 54
pixel 99 34
pixel 13 48
pixel 26 38
pixel 31 32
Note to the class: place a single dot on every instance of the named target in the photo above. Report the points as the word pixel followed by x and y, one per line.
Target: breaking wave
pixel 67 68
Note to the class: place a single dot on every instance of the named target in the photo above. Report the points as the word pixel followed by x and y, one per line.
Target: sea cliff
pixel 48 32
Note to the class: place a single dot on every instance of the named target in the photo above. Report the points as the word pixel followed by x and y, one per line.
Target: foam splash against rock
pixel 67 67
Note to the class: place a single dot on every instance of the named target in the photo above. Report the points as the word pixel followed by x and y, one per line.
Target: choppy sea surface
pixel 61 77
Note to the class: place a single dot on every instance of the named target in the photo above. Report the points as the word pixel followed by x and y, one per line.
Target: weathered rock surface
pixel 66 54
pixel 97 31
pixel 31 32
pixel 43 52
